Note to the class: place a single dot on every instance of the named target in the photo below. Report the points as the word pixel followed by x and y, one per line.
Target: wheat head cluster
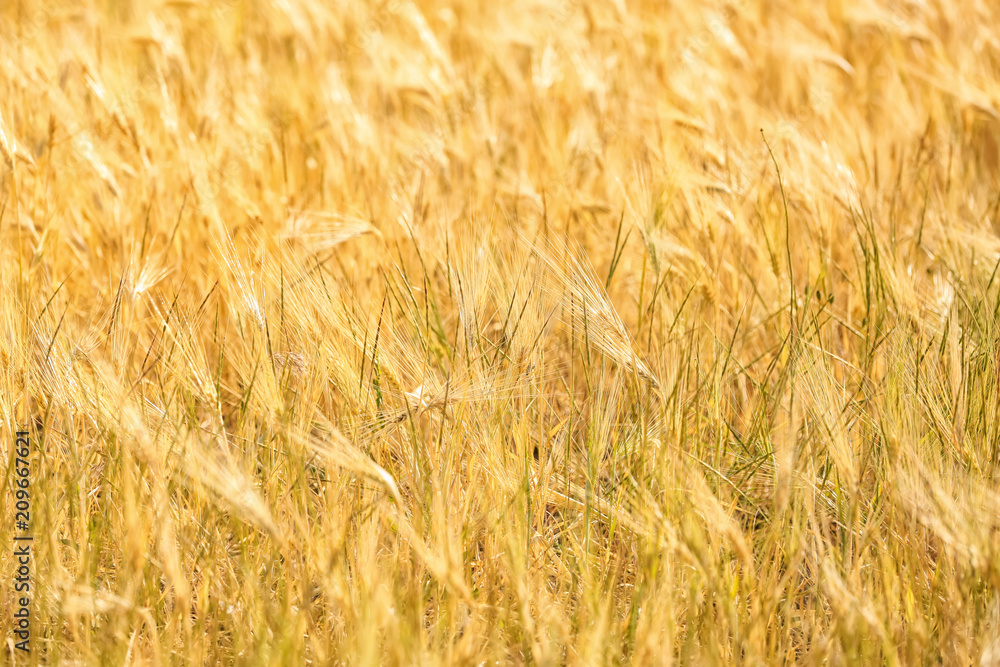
pixel 528 332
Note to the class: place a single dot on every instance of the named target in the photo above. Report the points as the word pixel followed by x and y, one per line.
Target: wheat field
pixel 530 332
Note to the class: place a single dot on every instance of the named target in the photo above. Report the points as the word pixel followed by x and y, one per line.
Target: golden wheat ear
pixel 585 306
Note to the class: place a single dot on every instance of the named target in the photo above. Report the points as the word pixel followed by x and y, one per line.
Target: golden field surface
pixel 529 332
